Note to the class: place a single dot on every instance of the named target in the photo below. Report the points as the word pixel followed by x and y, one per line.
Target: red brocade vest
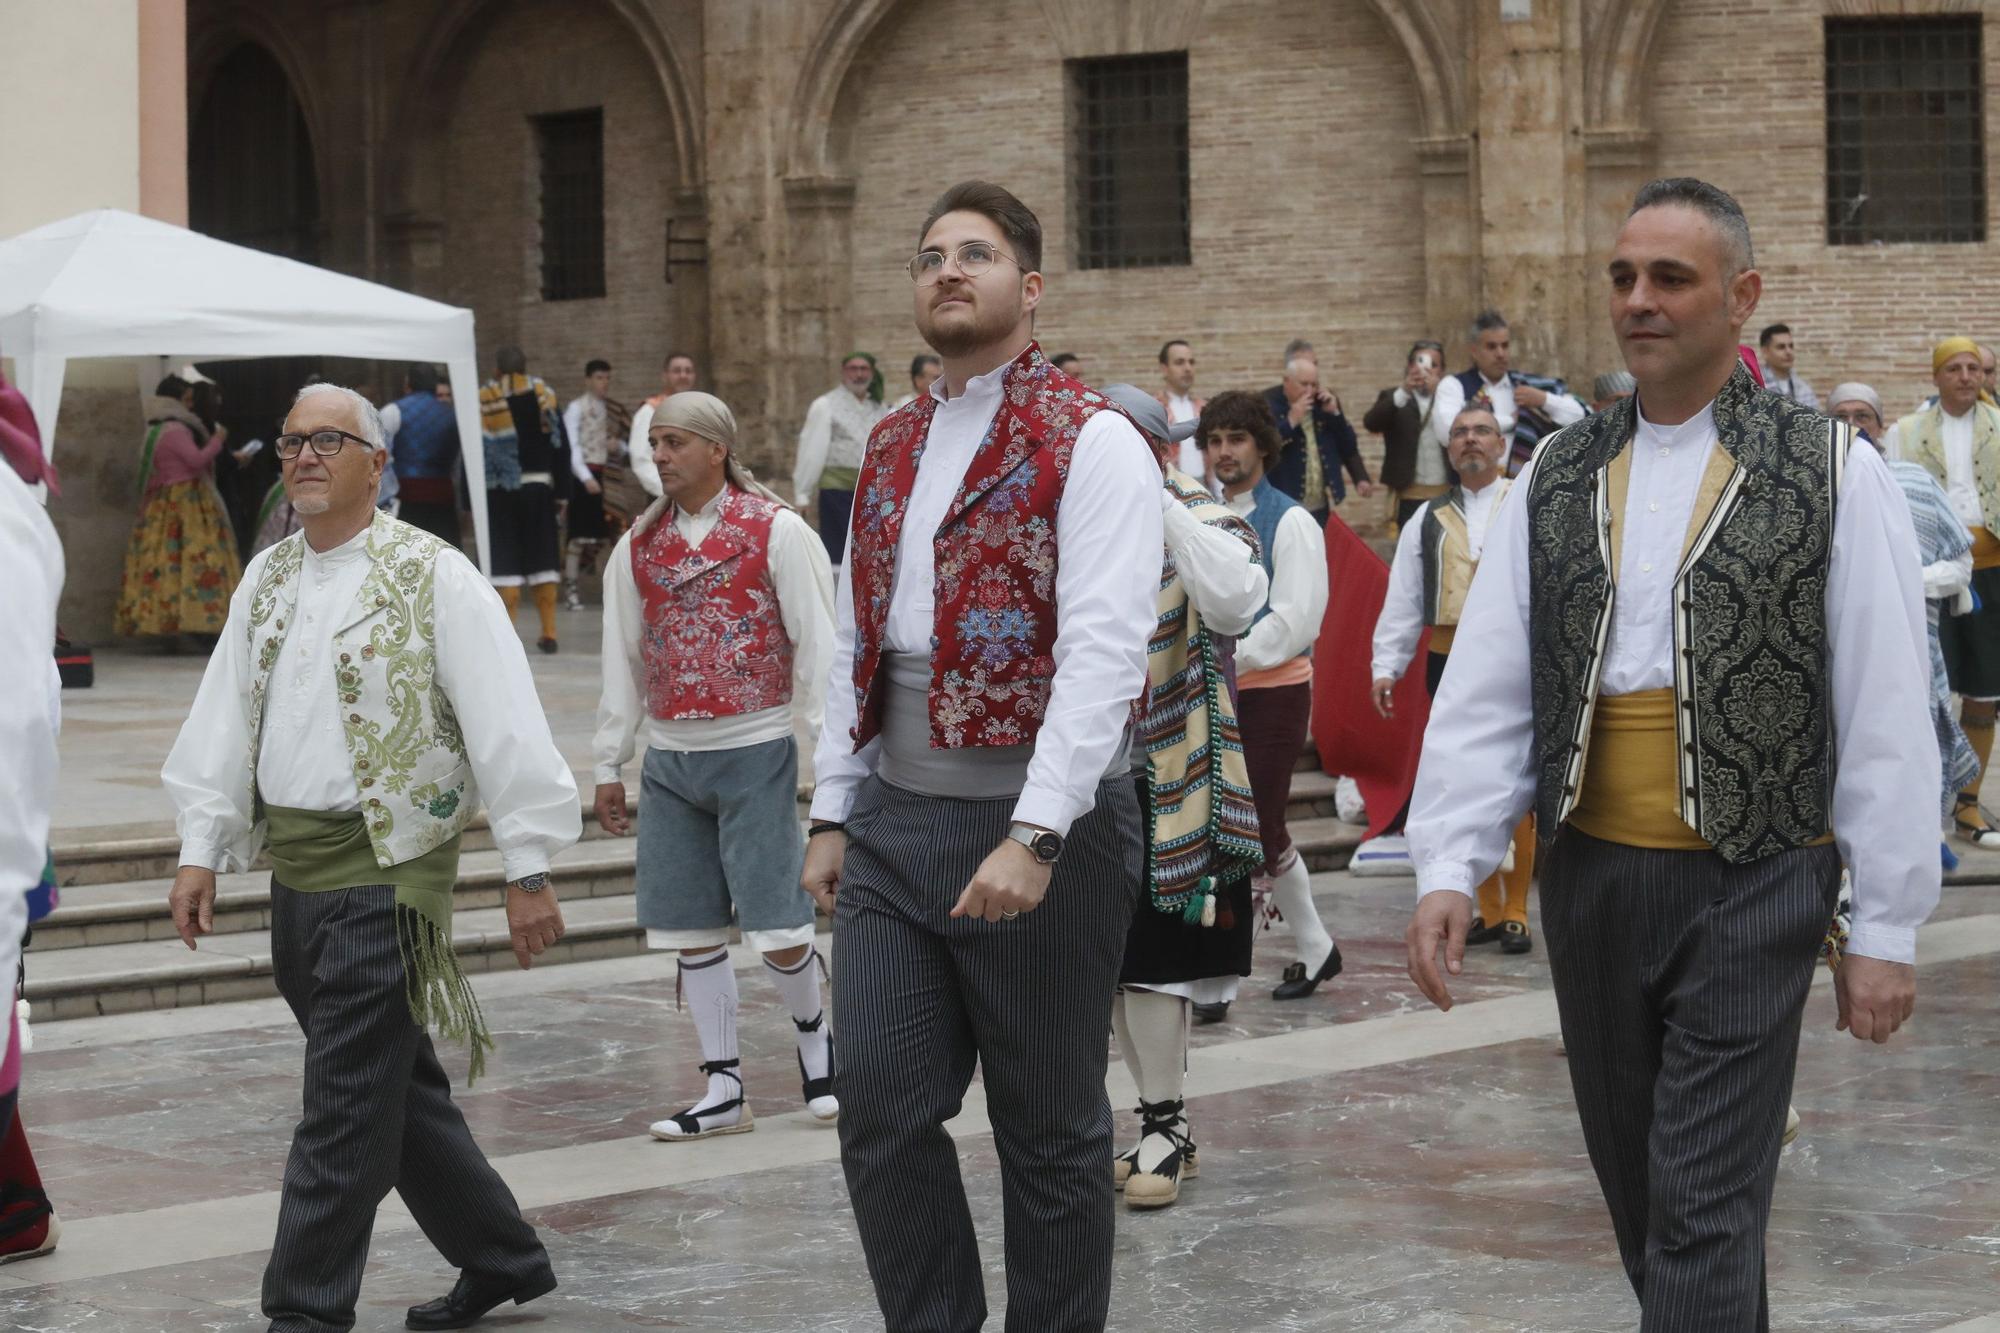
pixel 713 641
pixel 994 634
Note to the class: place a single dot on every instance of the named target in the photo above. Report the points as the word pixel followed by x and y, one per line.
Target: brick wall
pixel 544 56
pixel 1306 205
pixel 1738 99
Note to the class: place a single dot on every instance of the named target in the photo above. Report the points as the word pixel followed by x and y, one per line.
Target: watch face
pixel 1046 846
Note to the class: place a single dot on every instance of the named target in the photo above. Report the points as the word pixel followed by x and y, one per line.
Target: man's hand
pixel 1528 396
pixel 1364 487
pixel 825 852
pixel 1328 401
pixel 593 486
pixel 1874 997
pixel 193 902
pixel 1300 406
pixel 610 808
pixel 1380 692
pixel 534 921
pixel 1009 881
pixel 1443 917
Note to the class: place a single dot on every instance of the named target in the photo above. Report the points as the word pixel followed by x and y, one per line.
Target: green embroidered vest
pixel 1920 436
pixel 402 736
pixel 1751 678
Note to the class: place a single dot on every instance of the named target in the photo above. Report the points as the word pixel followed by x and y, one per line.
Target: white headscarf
pixel 706 415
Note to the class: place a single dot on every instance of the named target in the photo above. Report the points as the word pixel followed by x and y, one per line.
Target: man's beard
pixel 312 504
pixel 963 336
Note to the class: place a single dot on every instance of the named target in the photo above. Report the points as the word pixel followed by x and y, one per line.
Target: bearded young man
pixel 975 831
pixel 1702 752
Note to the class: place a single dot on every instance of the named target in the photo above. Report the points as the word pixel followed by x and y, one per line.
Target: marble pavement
pixel 1367 1163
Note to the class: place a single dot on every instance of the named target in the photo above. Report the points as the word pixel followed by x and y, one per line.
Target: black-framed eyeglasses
pixel 974 258
pixel 1480 432
pixel 326 443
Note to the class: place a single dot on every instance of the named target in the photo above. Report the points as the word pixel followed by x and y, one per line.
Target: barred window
pixel 1129 160
pixel 571 146
pixel 1905 147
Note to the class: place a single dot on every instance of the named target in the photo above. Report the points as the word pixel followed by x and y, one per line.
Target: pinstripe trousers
pixel 918 997
pixel 378 1115
pixel 1681 981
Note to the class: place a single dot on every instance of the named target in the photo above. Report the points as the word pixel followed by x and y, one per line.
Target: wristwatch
pixel 534 883
pixel 1046 846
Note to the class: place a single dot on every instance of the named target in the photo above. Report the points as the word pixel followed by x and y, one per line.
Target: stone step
pixel 136 910
pixel 1324 843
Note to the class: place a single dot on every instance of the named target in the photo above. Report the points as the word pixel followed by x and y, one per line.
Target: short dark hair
pixel 1064 360
pixel 1233 409
pixel 1718 206
pixel 1170 344
pixel 677 356
pixel 1771 331
pixel 917 364
pixel 1485 321
pixel 595 364
pixel 1016 221
pixel 1424 345
pixel 173 386
pixel 421 376
pixel 510 360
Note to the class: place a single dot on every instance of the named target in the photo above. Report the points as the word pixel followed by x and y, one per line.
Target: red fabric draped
pixel 1379 753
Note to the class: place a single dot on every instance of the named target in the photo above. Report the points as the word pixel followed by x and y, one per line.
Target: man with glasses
pixel 975 832
pixel 1436 557
pixel 367 694
pixel 830 447
pixel 1414 466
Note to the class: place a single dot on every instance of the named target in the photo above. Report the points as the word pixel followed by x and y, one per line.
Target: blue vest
pixel 426 443
pixel 1271 506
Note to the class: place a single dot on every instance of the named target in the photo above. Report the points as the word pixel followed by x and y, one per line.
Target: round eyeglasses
pixel 326 443
pixel 973 258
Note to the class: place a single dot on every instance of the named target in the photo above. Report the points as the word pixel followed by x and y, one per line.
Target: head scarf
pixel 706 415
pixel 1748 355
pixel 1855 392
pixel 21 439
pixel 1950 348
pixel 1146 412
pixel 1613 383
pixel 875 384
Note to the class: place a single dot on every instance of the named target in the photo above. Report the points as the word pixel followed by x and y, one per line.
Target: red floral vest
pixel 992 660
pixel 713 641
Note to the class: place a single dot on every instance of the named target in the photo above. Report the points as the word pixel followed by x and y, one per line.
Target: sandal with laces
pixel 1160 1185
pixel 684 1126
pixel 1979 831
pixel 820 1101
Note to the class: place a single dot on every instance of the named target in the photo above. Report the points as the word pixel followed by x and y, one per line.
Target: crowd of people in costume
pixel 1689 653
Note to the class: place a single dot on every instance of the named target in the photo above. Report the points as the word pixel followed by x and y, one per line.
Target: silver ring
pixel 1007 915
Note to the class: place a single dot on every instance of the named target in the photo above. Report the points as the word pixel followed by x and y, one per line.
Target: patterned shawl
pixel 1201 822
pixel 1940 536
pixel 502 441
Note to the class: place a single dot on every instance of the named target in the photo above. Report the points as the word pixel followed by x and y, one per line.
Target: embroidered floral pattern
pixel 713 640
pixel 994 554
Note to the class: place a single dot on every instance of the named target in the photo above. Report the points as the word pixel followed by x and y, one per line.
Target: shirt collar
pixel 978 388
pixel 1506 377
pixel 342 554
pixel 709 510
pixel 1696 428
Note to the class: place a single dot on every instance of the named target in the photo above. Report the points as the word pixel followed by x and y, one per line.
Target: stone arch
pixel 230 26
pixel 809 145
pixel 1616 58
pixel 431 81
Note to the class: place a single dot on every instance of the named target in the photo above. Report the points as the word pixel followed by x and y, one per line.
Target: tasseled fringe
pixel 441 998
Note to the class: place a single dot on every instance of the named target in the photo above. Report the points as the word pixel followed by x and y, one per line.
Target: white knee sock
pixel 573 563
pixel 708 988
pixel 1291 891
pixel 1122 1028
pixel 798 985
pixel 1159 1027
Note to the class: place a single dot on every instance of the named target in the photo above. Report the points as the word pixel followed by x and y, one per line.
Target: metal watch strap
pixel 534 883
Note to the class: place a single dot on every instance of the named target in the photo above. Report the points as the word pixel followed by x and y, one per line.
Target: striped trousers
pixel 1681 980
pixel 378 1116
pixel 919 997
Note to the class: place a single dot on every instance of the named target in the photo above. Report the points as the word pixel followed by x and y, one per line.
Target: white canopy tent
pixel 113 284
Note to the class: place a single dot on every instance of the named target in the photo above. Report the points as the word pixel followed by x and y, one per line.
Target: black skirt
pixel 586 512
pixel 1971 643
pixel 1161 947
pixel 522 529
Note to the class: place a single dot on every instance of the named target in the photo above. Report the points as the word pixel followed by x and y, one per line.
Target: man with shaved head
pixel 366 695
pixel 1703 753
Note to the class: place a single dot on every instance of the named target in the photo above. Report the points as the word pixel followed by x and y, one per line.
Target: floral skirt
pixel 180 566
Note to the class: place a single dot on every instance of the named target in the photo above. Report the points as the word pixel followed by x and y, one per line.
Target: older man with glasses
pixel 367 694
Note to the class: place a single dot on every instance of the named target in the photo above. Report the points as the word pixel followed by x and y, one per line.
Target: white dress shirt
pixel 1430 462
pixel 804 583
pixel 1180 407
pixel 639 451
pixel 1224 578
pixel 1401 623
pixel 1477 777
pixel 531 799
pixel 1298 590
pixel 575 424
pixel 1109 540
pixel 835 434
pixel 30 711
pixel 1961 487
pixel 1793 387
pixel 1560 408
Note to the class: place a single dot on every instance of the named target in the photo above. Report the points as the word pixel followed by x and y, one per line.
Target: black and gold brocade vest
pixel 1751 673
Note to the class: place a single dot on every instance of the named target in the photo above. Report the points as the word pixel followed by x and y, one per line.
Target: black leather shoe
pixel 1481 933
pixel 472 1297
pixel 1297 985
pixel 1516 939
pixel 1205 1014
pixel 546 645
